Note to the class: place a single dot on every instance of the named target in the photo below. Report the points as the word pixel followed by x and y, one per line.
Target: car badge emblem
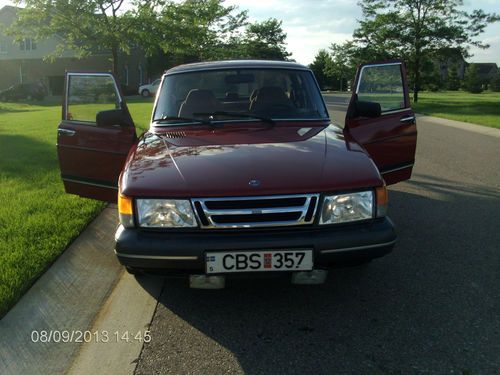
pixel 254 183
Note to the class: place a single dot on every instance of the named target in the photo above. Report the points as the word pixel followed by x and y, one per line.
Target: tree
pixel 452 80
pixel 431 76
pixel 83 26
pixel 322 60
pixel 472 83
pixel 343 62
pixel 265 40
pixel 416 29
pixel 196 29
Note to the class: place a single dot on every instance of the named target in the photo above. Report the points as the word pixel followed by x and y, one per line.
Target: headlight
pixel 165 213
pixel 344 208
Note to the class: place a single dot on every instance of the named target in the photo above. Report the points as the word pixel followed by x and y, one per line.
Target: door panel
pixel 91 155
pixel 389 136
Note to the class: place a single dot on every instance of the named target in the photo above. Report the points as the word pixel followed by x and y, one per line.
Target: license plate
pixel 258 261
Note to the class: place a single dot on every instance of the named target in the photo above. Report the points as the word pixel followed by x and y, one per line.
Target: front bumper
pixel 184 252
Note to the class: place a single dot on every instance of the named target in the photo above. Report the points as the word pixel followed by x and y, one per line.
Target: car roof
pixel 231 64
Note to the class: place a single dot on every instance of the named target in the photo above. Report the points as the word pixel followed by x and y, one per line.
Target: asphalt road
pixel 431 307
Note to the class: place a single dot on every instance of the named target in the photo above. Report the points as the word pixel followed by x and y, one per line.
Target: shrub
pixel 472 83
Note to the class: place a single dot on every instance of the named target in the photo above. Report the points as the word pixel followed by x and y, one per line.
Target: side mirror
pixel 368 109
pixel 112 117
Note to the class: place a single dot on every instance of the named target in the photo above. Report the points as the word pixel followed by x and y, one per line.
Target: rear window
pixel 274 93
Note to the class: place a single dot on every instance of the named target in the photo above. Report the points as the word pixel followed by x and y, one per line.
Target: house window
pixel 3 47
pixel 27 44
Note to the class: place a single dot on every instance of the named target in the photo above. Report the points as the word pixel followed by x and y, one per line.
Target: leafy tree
pixel 195 30
pixel 265 40
pixel 432 79
pixel 495 82
pixel 472 83
pixel 342 65
pixel 416 29
pixel 319 66
pixel 452 80
pixel 192 28
pixel 83 26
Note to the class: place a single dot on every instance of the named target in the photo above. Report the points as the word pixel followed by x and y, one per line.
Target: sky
pixel 311 25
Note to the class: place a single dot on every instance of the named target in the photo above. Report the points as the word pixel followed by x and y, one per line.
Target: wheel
pixel 145 93
pixel 133 271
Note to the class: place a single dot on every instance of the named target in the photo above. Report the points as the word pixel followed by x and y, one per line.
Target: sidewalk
pixel 66 298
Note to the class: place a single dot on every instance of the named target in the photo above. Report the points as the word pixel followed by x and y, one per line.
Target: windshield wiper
pixel 164 119
pixel 236 114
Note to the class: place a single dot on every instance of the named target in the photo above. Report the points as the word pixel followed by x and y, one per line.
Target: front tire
pixel 145 93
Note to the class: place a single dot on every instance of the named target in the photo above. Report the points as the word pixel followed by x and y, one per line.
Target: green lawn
pixel 37 219
pixel 482 109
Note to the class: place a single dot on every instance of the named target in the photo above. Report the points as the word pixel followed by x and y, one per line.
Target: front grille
pixel 252 212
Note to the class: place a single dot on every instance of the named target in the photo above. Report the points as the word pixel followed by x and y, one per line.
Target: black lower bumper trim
pixel 185 251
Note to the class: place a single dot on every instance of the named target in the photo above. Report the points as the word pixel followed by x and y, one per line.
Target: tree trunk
pixel 416 77
pixel 114 54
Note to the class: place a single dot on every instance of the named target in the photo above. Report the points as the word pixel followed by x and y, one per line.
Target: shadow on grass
pixel 10 109
pixel 49 101
pixel 22 156
pixel 409 310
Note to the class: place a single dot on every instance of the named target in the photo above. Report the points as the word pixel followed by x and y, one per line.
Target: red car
pixel 242 170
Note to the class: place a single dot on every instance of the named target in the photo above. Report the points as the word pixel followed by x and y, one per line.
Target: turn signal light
pixel 382 200
pixel 124 204
pixel 125 211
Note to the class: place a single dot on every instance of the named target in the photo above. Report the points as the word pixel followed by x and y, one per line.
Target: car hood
pixel 243 160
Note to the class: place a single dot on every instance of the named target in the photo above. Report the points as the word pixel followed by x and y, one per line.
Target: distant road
pixel 337 105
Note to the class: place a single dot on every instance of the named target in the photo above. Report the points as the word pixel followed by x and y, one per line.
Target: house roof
pixel 486 68
pixel 228 64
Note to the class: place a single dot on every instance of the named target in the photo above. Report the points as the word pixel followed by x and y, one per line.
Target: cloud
pixel 491 54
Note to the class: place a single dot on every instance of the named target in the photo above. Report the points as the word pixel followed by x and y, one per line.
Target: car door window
pixel 382 84
pixel 89 94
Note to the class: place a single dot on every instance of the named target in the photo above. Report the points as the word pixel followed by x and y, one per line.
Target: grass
pixel 482 109
pixel 38 220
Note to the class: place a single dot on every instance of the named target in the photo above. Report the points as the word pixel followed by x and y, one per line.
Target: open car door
pixel 94 136
pixel 380 118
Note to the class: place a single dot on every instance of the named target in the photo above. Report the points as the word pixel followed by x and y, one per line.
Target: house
pixel 24 62
pixel 451 58
pixel 486 71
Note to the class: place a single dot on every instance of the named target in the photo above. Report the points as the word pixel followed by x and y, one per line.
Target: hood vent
pixel 173 135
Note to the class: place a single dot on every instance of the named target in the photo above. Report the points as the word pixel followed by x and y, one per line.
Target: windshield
pixel 228 94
